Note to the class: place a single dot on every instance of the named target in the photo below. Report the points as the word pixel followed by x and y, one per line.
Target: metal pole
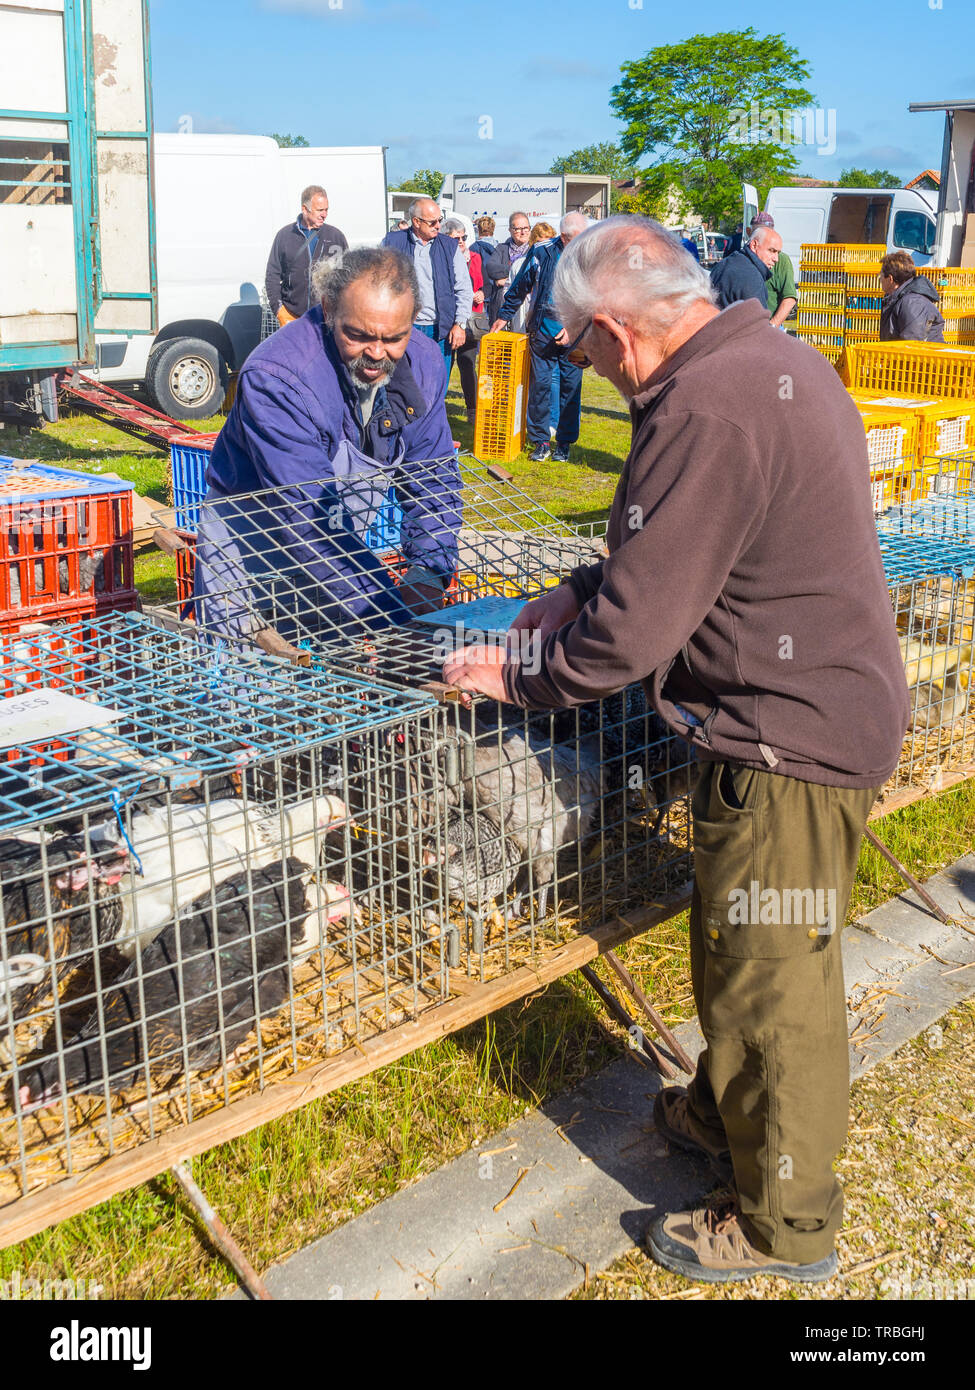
pixel 219 1234
pixel 908 877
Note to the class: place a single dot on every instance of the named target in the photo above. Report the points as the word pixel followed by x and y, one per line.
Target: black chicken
pixel 48 912
pixel 228 947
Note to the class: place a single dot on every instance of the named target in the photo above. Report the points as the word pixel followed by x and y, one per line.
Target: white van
pixel 220 199
pixel 898 219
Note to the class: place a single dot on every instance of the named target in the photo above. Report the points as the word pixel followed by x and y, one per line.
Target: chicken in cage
pixel 190 905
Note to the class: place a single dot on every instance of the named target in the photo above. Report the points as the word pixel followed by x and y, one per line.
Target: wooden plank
pixel 26 1216
pixel 909 795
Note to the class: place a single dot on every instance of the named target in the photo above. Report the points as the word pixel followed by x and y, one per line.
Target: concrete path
pixel 571 1184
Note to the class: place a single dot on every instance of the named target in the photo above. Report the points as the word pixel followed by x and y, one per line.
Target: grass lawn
pixel 290 1181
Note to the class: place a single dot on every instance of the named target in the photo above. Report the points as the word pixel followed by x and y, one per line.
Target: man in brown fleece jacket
pixel 744 585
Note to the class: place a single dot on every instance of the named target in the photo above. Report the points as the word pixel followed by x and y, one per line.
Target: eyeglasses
pixel 522 227
pixel 430 221
pixel 578 339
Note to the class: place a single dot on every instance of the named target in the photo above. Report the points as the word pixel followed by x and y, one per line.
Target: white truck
pixel 77 252
pixel 219 201
pixel 898 219
pixel 955 241
pixel 543 197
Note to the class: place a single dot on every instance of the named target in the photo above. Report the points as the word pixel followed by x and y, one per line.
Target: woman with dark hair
pixel 910 307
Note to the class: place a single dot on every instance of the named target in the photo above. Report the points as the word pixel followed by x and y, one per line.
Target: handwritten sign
pixel 39 715
pixel 480 615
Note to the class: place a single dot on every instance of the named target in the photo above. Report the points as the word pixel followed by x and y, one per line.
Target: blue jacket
pixel 740 276
pixel 536 277
pixel 295 402
pixel 442 254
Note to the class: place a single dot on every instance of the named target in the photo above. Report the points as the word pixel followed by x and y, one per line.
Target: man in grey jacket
pixel 909 311
pixel 734 590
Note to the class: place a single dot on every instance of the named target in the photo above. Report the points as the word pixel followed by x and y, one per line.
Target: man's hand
pixel 478 297
pixel 548 613
pixel 456 337
pixel 477 669
pixel 498 324
pixel 283 317
pixel 561 337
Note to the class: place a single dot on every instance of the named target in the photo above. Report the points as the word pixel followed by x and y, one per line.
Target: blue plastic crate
pixel 53 482
pixel 189 461
pixel 384 533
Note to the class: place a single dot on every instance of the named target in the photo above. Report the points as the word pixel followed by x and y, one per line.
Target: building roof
pixel 931 174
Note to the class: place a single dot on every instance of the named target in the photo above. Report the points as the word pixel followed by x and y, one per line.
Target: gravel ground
pixel 908 1171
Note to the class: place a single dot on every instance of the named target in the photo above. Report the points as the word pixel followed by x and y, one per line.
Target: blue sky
pixel 418 75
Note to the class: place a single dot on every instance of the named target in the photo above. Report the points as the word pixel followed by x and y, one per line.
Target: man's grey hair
pixel 454 224
pixel 381 265
pixel 312 191
pixel 760 235
pixel 574 222
pixel 518 214
pixel 632 269
pixel 417 204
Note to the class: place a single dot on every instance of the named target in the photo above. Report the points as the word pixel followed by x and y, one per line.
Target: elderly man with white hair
pixel 744 586
pixel 548 345
pixel 743 275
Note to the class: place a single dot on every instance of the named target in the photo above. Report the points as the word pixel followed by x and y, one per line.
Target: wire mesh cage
pixel 932 588
pixel 211 863
pixel 533 812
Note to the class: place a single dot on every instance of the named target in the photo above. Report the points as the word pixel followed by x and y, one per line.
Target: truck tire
pixel 185 378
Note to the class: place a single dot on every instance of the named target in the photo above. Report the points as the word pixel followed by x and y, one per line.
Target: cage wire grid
pixel 540 786
pixel 232 890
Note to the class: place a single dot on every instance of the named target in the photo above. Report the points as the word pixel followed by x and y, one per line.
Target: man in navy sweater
pixel 446 289
pixel 743 274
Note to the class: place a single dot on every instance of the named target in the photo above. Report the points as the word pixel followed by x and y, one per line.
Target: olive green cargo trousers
pixel 774 865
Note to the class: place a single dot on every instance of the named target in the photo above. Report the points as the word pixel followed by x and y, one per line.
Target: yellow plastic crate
pixel 502 396
pixel 931 370
pixel 960 337
pixel 863 322
pixel 829 320
pixel 944 427
pixel 840 255
pixel 956 303
pixel 949 277
pixel 863 280
pixel 891 431
pixel 814 275
pixel 819 338
pixel 230 395
pixel 820 296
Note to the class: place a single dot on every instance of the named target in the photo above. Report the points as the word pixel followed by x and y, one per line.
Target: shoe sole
pixel 691 1269
pixel 721 1169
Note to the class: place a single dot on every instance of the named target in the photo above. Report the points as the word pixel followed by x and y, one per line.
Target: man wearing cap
pixel 780 287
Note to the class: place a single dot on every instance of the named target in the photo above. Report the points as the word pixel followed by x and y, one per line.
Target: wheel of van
pixel 185 378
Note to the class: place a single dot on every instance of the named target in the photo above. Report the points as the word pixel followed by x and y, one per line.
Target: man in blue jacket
pixel 743 274
pixel 548 345
pixel 331 414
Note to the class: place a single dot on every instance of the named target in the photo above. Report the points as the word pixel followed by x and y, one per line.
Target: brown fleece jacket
pixel 744 583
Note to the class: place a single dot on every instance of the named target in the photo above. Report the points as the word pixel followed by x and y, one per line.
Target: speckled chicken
pixel 228 947
pixel 478 863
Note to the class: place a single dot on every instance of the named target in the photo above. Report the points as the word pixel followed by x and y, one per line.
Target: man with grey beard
pixel 335 409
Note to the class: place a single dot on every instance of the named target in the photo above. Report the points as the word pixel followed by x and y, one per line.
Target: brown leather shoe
pixel 671 1115
pixel 711 1245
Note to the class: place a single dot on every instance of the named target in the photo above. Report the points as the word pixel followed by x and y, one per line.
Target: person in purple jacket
pixel 332 414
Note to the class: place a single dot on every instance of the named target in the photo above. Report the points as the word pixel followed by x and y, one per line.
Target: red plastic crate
pixel 39 656
pixel 65 545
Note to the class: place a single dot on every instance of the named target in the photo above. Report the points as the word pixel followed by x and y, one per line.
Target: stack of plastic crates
pixel 892 451
pixel 956 300
pixel 934 371
pixel 502 396
pixel 65 544
pixel 945 439
pixel 932 588
pixel 839 295
pixel 550 819
pixel 213 876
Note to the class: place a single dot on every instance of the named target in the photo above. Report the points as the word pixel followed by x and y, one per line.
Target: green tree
pixel 713 112
pixel 291 142
pixel 428 181
pixel 861 178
